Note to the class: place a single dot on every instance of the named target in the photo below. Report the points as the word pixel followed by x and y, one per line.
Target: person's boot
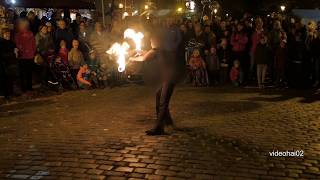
pixel 155 132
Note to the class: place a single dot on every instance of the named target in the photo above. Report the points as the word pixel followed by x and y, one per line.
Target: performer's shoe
pixel 155 132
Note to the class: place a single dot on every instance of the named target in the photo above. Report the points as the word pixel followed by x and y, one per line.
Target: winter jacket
pixel 26 44
pixel 239 42
pixel 8 60
pixel 75 58
pixel 7 54
pixel 275 38
pixel 63 54
pixel 83 76
pixel 63 34
pixel 255 38
pixel 313 46
pixel 225 56
pixel 190 34
pixel 234 74
pixel 100 42
pixel 34 25
pixel 210 40
pixel 196 62
pixel 262 54
pixel 281 57
pixel 44 43
pixel 213 62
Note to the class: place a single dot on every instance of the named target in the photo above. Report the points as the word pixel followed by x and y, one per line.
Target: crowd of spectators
pixel 48 52
pixel 254 50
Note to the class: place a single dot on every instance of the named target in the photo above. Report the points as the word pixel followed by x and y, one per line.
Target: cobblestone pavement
pixel 224 133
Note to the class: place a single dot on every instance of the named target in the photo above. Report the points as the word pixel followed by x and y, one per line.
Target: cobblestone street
pixel 224 133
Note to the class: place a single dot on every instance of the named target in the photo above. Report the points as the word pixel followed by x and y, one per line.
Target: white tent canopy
pixel 307 14
pixel 158 13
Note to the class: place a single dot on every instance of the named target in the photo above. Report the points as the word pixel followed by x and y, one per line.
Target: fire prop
pixel 136 37
pixel 120 51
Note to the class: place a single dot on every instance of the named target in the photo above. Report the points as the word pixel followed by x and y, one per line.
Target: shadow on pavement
pixel 308 96
pixel 20 108
pixel 211 108
pixel 219 90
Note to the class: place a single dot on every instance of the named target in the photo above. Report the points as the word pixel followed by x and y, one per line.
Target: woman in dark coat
pixel 45 48
pixel 9 67
pixel 280 63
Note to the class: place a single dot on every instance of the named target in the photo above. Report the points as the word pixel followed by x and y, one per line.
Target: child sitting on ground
pixel 198 69
pixel 85 78
pixel 236 74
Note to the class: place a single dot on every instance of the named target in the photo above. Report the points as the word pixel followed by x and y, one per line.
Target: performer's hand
pixel 141 53
pixel 136 59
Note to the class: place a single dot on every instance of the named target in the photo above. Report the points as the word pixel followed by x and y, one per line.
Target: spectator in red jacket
pixel 63 52
pixel 236 74
pixel 25 42
pixel 239 41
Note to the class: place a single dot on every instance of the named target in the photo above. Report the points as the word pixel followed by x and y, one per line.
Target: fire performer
pixel 164 46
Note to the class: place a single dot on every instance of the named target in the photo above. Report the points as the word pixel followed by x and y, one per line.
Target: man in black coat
pixel 63 33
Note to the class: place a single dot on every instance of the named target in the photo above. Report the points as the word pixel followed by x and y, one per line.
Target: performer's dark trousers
pixel 163 97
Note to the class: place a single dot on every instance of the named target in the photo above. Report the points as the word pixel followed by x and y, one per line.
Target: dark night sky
pixel 236 5
pixel 241 5
pixel 249 3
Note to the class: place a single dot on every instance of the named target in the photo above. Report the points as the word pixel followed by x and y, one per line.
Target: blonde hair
pixel 196 52
pixel 312 28
pixel 312 24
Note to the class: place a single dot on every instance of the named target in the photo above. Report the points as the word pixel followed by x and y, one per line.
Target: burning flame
pixel 120 51
pixel 136 37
